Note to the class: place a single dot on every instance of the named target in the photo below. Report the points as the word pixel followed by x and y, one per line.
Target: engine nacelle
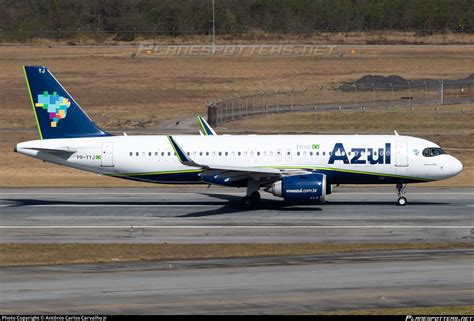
pixel 301 188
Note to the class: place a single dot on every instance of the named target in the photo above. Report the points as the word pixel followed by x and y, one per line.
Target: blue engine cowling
pixel 301 188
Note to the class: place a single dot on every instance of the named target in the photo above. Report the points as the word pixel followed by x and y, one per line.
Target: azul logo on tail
pixel 57 114
pixel 55 105
pixel 361 155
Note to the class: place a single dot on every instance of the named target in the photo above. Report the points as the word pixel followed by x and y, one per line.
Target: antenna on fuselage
pixel 396 133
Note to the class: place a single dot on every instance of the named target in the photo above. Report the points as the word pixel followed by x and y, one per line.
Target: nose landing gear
pixel 400 192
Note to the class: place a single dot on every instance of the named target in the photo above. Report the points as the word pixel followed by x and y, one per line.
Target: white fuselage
pixel 345 158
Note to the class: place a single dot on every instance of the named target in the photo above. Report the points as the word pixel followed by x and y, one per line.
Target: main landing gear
pixel 248 202
pixel 402 201
pixel 252 197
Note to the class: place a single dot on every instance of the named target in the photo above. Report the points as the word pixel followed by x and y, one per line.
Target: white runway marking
pixel 231 227
pixel 122 205
pixel 114 193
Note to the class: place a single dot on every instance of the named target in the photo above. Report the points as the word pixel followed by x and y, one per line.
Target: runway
pixel 198 215
pixel 252 285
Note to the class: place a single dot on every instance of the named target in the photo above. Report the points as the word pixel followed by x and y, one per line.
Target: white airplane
pixel 298 168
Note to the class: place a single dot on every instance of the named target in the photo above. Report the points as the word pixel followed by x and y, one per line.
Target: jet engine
pixel 301 188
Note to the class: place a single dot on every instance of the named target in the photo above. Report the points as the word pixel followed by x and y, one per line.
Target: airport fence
pixel 419 106
pixel 88 36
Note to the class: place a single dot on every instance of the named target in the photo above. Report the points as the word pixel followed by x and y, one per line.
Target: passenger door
pixel 278 155
pixel 107 157
pixel 402 154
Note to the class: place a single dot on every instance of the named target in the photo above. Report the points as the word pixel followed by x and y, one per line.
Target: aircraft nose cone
pixel 456 166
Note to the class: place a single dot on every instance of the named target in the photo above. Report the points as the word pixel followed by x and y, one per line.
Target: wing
pixel 228 173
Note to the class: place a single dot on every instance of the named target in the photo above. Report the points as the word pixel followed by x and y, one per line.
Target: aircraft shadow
pixel 35 202
pixel 231 206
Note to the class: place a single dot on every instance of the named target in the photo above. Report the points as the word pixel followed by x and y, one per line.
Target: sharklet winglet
pixel 182 157
pixel 208 131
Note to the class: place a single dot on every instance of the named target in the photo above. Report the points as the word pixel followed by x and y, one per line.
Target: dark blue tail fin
pixel 57 113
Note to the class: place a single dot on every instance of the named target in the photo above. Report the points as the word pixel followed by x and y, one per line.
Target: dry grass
pixel 18 254
pixel 257 37
pixel 118 91
pixel 420 311
pixel 457 119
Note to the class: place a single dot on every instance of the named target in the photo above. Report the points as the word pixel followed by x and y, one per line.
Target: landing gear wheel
pixel 402 201
pixel 255 196
pixel 246 203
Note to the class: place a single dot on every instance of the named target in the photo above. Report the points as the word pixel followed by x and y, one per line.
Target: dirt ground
pixel 119 91
pixel 25 254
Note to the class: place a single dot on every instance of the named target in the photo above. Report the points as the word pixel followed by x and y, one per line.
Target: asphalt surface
pixel 198 215
pixel 257 285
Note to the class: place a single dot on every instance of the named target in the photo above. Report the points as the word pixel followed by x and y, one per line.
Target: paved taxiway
pixel 251 285
pixel 198 215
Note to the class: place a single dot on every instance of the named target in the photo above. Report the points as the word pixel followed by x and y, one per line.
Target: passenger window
pixel 226 153
pixel 136 154
pixel 149 153
pixel 156 153
pixel 169 153
pixel 207 153
pixel 298 153
pixel 200 153
pixel 162 153
pixel 220 153
pixel 239 153
pixel 131 154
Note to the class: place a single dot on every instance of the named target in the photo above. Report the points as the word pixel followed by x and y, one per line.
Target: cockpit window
pixel 433 151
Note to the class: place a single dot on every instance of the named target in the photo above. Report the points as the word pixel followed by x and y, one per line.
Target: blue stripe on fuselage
pixel 333 177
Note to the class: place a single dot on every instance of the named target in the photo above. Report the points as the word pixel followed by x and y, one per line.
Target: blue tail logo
pixel 55 105
pixel 57 114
